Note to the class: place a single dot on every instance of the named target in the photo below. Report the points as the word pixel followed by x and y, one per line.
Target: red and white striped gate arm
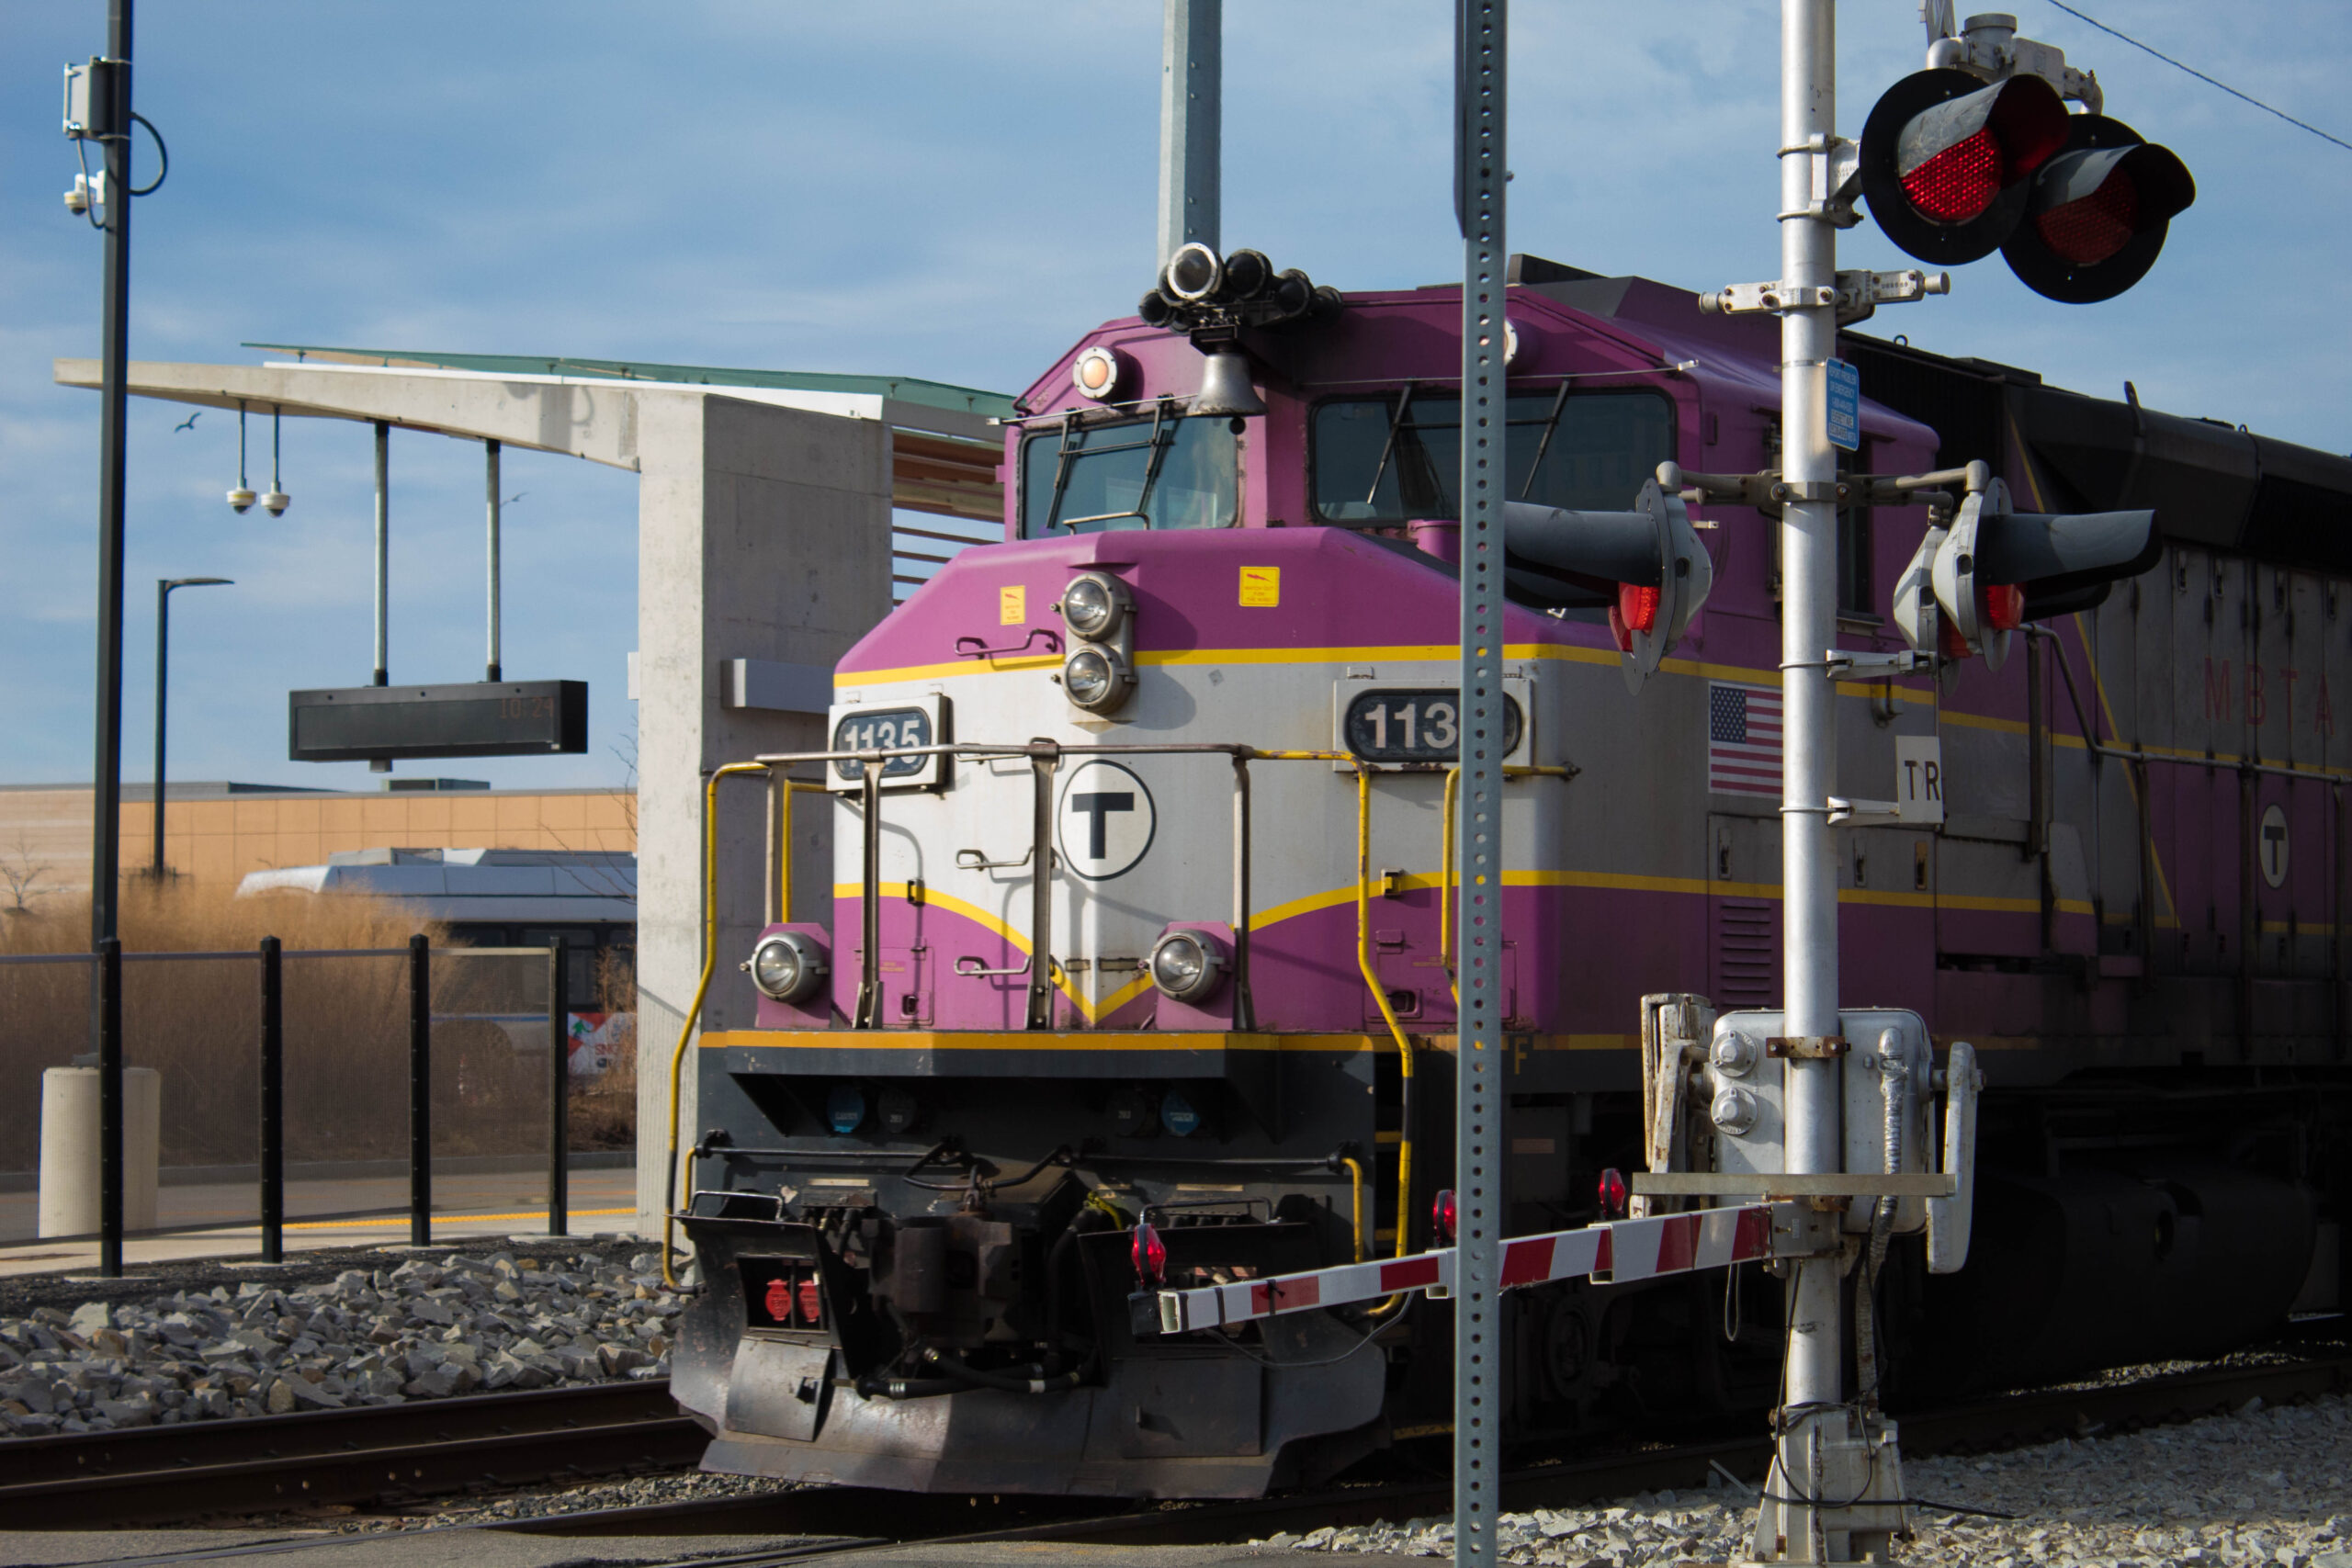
pixel 1615 1253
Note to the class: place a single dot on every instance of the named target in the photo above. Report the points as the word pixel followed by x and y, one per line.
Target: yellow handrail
pixel 1355 1194
pixel 1396 1030
pixel 702 987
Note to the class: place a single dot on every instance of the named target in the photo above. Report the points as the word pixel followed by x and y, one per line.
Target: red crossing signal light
pixel 1947 161
pixel 2098 213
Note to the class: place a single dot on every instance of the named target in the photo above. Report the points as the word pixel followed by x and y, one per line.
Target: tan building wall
pixel 218 838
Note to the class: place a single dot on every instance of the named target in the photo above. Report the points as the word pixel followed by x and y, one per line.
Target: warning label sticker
pixel 1261 586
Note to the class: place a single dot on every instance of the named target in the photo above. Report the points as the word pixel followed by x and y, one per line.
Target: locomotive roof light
pixel 1946 160
pixel 786 965
pixel 2098 213
pixel 1187 965
pixel 1099 372
pixel 1095 604
pixel 1097 679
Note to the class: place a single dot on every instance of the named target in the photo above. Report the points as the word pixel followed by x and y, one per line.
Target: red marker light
pixel 779 1301
pixel 2004 606
pixel 1442 1217
pixel 812 1303
pixel 1150 1255
pixel 1638 606
pixel 1612 1193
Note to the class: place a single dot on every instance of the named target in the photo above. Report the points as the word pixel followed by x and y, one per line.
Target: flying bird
pixel 516 497
pixel 187 423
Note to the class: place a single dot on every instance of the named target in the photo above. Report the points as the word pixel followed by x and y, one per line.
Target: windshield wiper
pixel 1388 444
pixel 1551 425
pixel 1162 436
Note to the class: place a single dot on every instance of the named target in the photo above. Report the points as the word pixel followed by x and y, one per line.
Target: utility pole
pixel 1192 111
pixel 110 101
pixel 1480 172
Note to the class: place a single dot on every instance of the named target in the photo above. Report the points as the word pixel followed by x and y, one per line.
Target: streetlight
pixel 163 587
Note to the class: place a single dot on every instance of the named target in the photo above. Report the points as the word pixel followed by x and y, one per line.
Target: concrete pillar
pixel 762 533
pixel 69 1150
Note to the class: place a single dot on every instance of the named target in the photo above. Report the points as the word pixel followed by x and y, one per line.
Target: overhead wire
pixel 2208 80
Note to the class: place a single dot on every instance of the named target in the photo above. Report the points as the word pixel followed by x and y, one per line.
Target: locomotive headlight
pixel 1098 371
pixel 787 967
pixel 1093 605
pixel 1096 677
pixel 1186 965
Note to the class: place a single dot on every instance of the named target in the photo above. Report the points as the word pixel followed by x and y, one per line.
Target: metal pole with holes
pixel 272 1102
pixel 420 1091
pixel 1480 173
pixel 559 1091
pixel 1192 74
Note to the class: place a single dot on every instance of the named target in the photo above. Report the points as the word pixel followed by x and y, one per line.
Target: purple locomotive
pixel 1136 971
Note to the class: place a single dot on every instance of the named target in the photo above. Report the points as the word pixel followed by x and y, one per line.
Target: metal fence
pixel 378 1059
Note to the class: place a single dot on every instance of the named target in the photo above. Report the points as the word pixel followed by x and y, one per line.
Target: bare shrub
pixel 196 1022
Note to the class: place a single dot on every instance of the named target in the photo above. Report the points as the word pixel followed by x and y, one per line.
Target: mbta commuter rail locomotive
pixel 1138 969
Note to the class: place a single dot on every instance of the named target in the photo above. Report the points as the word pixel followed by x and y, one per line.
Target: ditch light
pixel 477 718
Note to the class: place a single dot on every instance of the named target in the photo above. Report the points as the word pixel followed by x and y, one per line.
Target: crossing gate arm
pixel 1617 1253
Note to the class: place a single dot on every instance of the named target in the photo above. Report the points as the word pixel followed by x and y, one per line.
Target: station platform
pixel 465 1202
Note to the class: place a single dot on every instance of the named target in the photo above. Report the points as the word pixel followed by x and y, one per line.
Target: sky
pixel 916 187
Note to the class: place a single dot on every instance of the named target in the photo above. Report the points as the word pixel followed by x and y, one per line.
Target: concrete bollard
pixel 69 1150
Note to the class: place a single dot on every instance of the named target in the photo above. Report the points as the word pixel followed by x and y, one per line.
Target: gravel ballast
pixel 2263 1488
pixel 429 1327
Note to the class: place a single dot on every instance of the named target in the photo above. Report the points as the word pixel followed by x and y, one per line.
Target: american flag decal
pixel 1743 739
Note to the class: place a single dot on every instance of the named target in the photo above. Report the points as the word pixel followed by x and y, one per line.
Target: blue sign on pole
pixel 1845 406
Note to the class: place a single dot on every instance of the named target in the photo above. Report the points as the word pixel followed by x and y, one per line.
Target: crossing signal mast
pixel 1978 153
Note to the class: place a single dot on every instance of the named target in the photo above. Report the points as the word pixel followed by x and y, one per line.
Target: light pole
pixel 163 587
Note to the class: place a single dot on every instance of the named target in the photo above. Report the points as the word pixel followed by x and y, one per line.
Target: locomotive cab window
pixel 1162 471
pixel 1397 456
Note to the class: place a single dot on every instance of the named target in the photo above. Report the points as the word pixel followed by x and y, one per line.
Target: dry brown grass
pixel 347 1032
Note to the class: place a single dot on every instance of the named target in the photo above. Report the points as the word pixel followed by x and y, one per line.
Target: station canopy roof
pixel 906 388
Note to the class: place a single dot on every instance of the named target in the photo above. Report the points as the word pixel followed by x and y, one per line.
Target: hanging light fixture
pixel 241 499
pixel 277 501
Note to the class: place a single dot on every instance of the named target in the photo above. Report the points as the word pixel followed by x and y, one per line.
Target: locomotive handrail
pixel 702 988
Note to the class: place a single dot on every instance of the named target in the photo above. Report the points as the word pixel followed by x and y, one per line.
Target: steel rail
pixel 352 1456
pixel 382 1454
pixel 2008 1420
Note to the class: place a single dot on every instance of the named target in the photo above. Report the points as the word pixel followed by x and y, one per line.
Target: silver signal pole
pixel 1192 110
pixel 1480 174
pixel 1808 629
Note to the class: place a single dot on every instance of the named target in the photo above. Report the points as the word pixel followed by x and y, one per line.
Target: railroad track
pixel 364 1455
pixel 392 1455
pixel 842 1519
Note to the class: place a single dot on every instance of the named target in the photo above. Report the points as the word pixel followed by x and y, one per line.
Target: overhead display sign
pixel 477 718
